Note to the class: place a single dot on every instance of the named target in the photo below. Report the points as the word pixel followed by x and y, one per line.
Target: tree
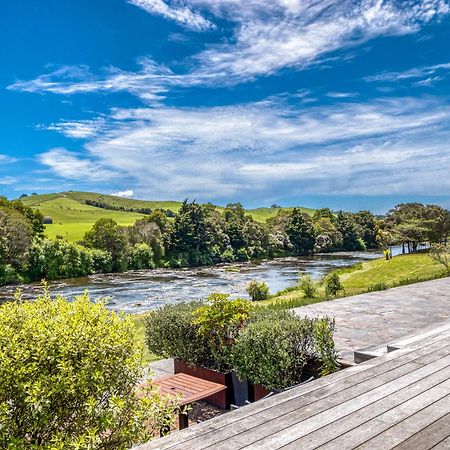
pixel 441 254
pixel 368 228
pixel 301 232
pixel 107 235
pixel 69 374
pixel 333 284
pixel 346 225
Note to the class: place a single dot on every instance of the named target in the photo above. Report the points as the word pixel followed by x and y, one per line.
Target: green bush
pixel 379 286
pixel 68 378
pixel 333 284
pixel 257 291
pixel 308 286
pixel 141 257
pixel 220 321
pixel 274 353
pixel 170 332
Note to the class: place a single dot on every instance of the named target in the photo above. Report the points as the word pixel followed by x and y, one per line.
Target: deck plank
pixel 208 432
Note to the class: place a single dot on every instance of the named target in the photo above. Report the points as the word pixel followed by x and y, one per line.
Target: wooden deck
pixel 398 400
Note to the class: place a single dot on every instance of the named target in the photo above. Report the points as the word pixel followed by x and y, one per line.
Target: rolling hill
pixel 72 217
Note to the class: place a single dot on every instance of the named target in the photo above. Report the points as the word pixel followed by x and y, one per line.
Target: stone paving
pixel 377 318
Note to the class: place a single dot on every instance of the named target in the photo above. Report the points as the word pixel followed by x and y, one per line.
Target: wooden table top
pixel 190 388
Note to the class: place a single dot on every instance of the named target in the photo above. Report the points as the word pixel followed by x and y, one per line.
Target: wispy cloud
pixel 267 37
pixel 210 153
pixel 71 165
pixel 6 159
pixel 425 72
pixel 181 14
pixel 81 129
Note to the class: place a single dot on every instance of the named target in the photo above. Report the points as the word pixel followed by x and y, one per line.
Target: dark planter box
pixel 222 399
pixel 257 392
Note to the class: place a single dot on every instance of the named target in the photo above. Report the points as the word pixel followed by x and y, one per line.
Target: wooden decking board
pixel 285 435
pixel 282 419
pixel 443 445
pixel 429 437
pixel 352 374
pixel 322 406
pixel 288 411
pixel 414 423
pixel 361 433
pixel 333 431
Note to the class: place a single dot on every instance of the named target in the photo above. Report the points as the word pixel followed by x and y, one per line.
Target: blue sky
pixel 313 102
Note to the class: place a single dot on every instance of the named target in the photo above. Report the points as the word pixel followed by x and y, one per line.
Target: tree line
pixel 204 235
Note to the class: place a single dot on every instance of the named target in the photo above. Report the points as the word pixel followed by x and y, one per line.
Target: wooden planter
pixel 222 399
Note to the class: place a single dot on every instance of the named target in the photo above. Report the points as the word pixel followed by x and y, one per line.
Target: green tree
pixel 368 228
pixel 108 236
pixel 301 232
pixel 346 225
pixel 69 375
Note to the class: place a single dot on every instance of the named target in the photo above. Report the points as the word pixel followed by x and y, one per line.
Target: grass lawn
pixel 138 321
pixel 402 269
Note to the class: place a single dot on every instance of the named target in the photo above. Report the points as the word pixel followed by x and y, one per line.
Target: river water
pixel 143 290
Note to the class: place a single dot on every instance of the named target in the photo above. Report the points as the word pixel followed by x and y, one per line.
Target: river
pixel 143 290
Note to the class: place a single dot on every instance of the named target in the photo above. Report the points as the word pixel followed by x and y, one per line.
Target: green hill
pixel 72 217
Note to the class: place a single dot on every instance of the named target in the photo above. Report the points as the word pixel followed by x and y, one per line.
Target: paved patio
pixel 375 319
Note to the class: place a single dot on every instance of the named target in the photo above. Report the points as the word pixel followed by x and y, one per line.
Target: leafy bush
pixel 274 353
pixel 170 332
pixel 441 254
pixel 53 259
pixel 333 284
pixel 257 291
pixel 141 257
pixel 220 322
pixel 324 345
pixel 308 286
pixel 68 378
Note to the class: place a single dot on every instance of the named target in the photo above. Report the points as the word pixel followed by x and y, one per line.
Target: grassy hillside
pixel 72 217
pixel 402 269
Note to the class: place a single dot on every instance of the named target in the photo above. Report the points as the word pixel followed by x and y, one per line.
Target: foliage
pixel 324 345
pixel 257 290
pixel 347 227
pixel 333 284
pixel 307 286
pixel 170 332
pixel 141 257
pixel 441 254
pixel 274 352
pixel 53 259
pixel 301 232
pixel 379 286
pixel 69 373
pixel 220 321
pixel 107 235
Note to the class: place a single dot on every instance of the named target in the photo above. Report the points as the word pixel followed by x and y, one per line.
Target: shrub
pixel 274 353
pixel 308 286
pixel 441 254
pixel 141 257
pixel 333 284
pixel 324 345
pixel 170 332
pixel 220 322
pixel 257 291
pixel 68 377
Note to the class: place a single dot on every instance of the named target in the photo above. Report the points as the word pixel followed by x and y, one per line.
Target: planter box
pixel 257 392
pixel 222 399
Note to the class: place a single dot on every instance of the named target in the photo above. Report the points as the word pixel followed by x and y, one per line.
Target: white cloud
pixel 182 15
pixel 425 72
pixel 267 37
pixel 390 146
pixel 8 181
pixel 125 194
pixel 81 129
pixel 72 166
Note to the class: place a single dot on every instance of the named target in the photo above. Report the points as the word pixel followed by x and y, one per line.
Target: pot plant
pixel 275 353
pixel 199 336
